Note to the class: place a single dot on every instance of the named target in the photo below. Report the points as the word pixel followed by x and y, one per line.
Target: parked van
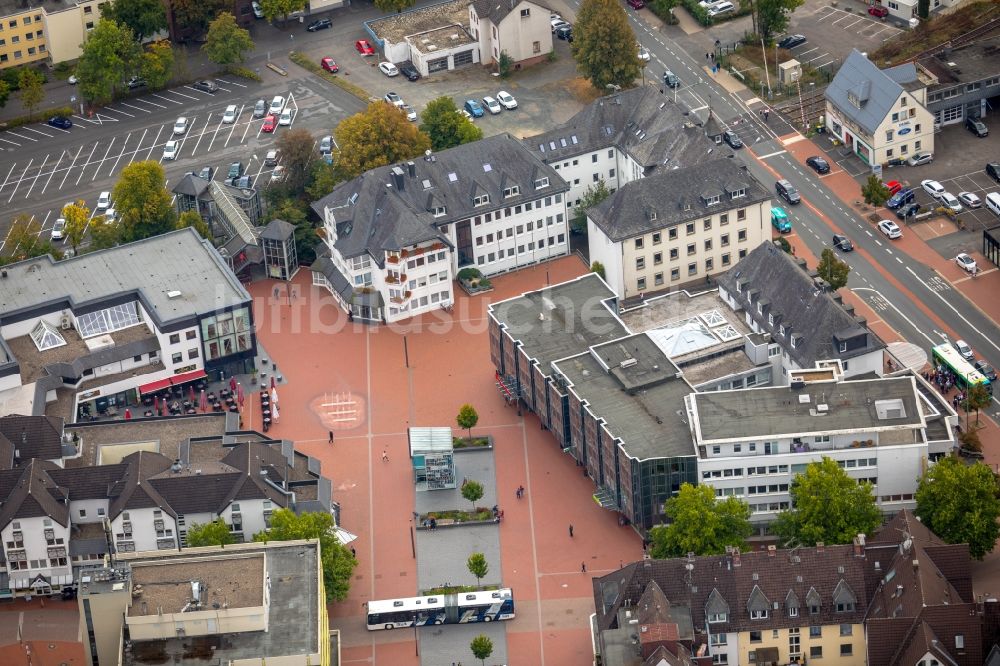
pixel 721 8
pixel 993 202
pixel 787 192
pixel 780 221
pixel 277 105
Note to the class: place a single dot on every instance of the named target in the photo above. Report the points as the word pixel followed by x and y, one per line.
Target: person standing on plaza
pixel 571 530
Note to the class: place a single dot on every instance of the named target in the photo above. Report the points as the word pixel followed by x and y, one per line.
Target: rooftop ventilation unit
pixel 174 293
pixel 627 363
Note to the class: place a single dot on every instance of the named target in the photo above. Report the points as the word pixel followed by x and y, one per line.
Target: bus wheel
pixel 487 619
pixel 389 626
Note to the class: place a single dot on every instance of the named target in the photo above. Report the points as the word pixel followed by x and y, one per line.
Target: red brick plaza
pixel 368 385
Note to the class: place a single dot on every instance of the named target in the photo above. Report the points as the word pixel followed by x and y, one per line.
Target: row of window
pixel 692 270
pixel 692 249
pixel 969 88
pixel 490 257
pixel 527 207
pixel 25 20
pixel 690 228
pixel 16 39
pixel 188 335
pixel 905 148
pixel 750 471
pixel 429 258
pixel 510 232
pixel 576 161
pixel 596 178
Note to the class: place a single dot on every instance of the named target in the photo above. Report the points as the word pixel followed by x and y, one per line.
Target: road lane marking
pixel 18 184
pixel 111 172
pixel 53 172
pixel 779 152
pixel 106 153
pixel 138 146
pixel 87 163
pixel 70 167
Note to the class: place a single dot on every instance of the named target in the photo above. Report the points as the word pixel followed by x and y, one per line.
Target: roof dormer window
pixel 481 200
pixel 712 200
pixel 736 194
pixel 541 183
pixel 439 211
pixel 511 191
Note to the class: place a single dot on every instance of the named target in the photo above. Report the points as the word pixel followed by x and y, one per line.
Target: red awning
pixel 176 380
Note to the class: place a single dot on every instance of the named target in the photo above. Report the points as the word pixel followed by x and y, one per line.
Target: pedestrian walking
pixel 767 114
pixel 712 57
pixel 571 531
pixel 583 567
pixel 354 553
pixel 706 56
pixel 385 456
pixel 331 437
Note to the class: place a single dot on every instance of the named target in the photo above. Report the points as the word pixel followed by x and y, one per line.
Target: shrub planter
pixel 462 444
pixel 456 518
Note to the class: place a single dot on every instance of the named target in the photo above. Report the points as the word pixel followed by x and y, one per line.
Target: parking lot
pixel 832 33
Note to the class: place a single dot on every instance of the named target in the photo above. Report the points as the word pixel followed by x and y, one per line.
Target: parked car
pixel 890 229
pixel 409 71
pixel 932 187
pixel 330 65
pixel 235 171
pixel 269 124
pixel 920 158
pixel 230 114
pixel 58 229
pixel 506 100
pixel 986 370
pixel 62 122
pixel 671 80
pixel 260 108
pixel 720 8
pixel 206 85
pixel 271 157
pixel 969 199
pixel 907 210
pixel 900 199
pixel 258 11
pixel 643 54
pixel 818 164
pixel 565 32
pixel 364 48
pixel 136 82
pixel 557 21
pixel 326 145
pixel 472 106
pixel 787 192
pixel 277 105
pixel 878 11
pixel 388 69
pixel 170 150
pixel 843 243
pixel 319 24
pixel 977 127
pixel 180 126
pixel 492 105
pixel 993 170
pixel 278 174
pixel 110 216
pixel 410 112
pixel 780 221
pixel 636 4
pixel 791 41
pixel 104 201
pixel 72 80
pixel 285 119
pixel 948 200
pixel 893 186
pixel 966 263
pixel 206 173
pixel 732 139
pixel 963 348
pixel 244 182
pixel 393 98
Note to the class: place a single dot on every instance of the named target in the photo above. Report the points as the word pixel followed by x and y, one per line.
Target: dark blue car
pixel 474 109
pixel 62 122
pixel 900 198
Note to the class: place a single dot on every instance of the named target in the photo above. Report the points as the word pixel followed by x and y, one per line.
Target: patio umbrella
pixel 232 383
pixel 274 412
pixel 191 393
pixel 156 404
pixel 128 414
pixel 274 395
pixel 163 407
pixel 203 401
pixel 240 397
pixel 272 382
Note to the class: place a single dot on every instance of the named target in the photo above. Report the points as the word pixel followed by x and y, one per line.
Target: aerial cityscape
pixel 499 332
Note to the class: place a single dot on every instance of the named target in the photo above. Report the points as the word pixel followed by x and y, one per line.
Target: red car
pixel 329 65
pixel 894 186
pixel 364 48
pixel 269 124
pixel 878 11
pixel 636 4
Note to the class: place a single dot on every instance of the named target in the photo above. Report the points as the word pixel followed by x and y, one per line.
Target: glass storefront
pixel 226 334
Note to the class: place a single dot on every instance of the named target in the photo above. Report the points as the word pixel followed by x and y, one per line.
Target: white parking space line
pixel 53 172
pixel 4 184
pixel 59 129
pixel 214 134
pixel 828 62
pixel 178 92
pixel 848 26
pixel 137 108
pixel 233 128
pixel 843 18
pixel 21 136
pixel 149 101
pixel 13 143
pixel 247 130
pixel 225 89
pixel 167 99
pixel 70 168
pixel 18 184
pixel 32 129
pixel 111 171
pixel 87 163
pixel 798 56
pixel 138 146
pixel 231 83
pixel 156 141
pixel 124 113
pixel 106 153
pixel 201 135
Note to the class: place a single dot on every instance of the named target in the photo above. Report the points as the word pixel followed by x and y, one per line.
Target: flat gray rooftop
pixel 396 27
pixel 168 433
pixel 574 317
pixel 775 412
pixel 649 422
pixel 177 261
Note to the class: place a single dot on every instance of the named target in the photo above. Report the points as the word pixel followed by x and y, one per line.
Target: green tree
pixel 604 45
pixel 77 216
pixel 969 439
pixel 227 43
pixel 377 136
pixel 144 17
pixel 976 398
pixel 4 93
pixel 446 126
pixel 191 218
pixel 772 16
pixel 598 267
pixel 193 16
pixel 472 491
pixel 143 202
pixel 827 506
pixel 295 211
pixel 664 9
pixel 960 504
pixel 478 566
pixel 482 647
pixel 322 179
pixel 156 64
pixel 701 524
pixel 215 533
pixel 467 418
pixel 298 154
pixel 103 234
pixel 504 63
pixel 783 243
pixel 593 195
pixel 338 562
pixel 393 5
pixel 109 53
pixel 30 89
pixel 874 191
pixel 25 240
pixel 272 9
pixel 832 270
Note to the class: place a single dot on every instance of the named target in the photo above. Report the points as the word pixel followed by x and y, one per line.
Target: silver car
pixel 260 108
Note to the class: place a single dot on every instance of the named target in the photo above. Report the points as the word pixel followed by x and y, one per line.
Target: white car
pixel 506 100
pixel 258 11
pixel 964 349
pixel 278 174
pixel 104 201
pixel 890 229
pixel 969 199
pixel 230 114
pixel 966 262
pixel 393 98
pixel 72 80
pixel 277 105
pixel 411 114
pixel 948 200
pixel 285 119
pixel 388 69
pixel 169 152
pixel 110 215
pixel 58 229
pixel 491 104
pixel 181 126
pixel 643 54
pixel 933 188
pixel 466 115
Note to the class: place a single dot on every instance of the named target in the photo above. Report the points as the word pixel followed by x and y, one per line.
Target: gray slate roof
pixel 497 10
pixel 639 122
pixel 278 230
pixel 798 304
pixel 875 89
pixel 192 185
pixel 31 437
pixel 374 214
pixel 668 198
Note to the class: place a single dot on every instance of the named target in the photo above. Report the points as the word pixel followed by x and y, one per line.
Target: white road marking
pixel 70 168
pixel 167 99
pixel 155 142
pixel 138 146
pixel 21 136
pixel 87 163
pixel 114 166
pixel 106 153
pixel 137 108
pixel 201 135
pixel 53 172
pixel 20 179
pixel 779 152
pixel 32 129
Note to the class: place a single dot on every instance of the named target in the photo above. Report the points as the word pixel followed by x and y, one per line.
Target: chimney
pixel 397 178
pixel 859 545
pixel 736 557
pixel 412 168
pixel 771 550
pixel 820 547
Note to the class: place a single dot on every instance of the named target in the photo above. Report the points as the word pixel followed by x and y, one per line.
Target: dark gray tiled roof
pixel 668 198
pixel 875 90
pixel 640 122
pixel 191 185
pixel 374 214
pixel 278 230
pixel 32 436
pixel 34 494
pixel 497 10
pixel 798 304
